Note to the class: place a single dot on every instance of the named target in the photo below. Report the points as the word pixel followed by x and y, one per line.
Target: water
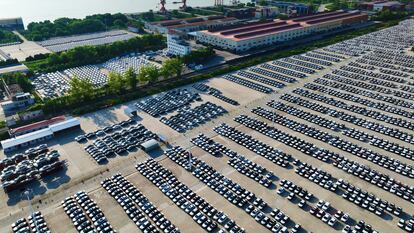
pixel 39 10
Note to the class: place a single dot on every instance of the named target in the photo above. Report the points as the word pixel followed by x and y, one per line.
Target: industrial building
pixel 35 126
pixel 12 23
pixel 40 135
pixel 259 34
pixel 189 24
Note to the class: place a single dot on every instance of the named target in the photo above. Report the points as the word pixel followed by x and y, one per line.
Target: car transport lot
pixel 334 139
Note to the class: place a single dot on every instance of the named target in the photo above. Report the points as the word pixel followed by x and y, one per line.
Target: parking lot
pixel 322 140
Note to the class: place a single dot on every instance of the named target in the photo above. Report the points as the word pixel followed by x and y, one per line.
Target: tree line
pixel 86 55
pixel 66 26
pixel 8 37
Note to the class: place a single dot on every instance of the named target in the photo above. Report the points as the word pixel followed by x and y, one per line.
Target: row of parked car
pixel 383 87
pixel 105 131
pixel 364 101
pixel 121 140
pixel 377 178
pixel 382 160
pixel 350 132
pixel 312 60
pixel 335 55
pixel 407 225
pixel 230 190
pixel 325 57
pixel 302 63
pixel 356 120
pixel 282 70
pixel 350 75
pixel 261 79
pixel 277 156
pixel 237 161
pixel 214 92
pixel 272 74
pixel 85 214
pixel 168 102
pixel 367 112
pixel 323 210
pixel 370 73
pixel 324 84
pixel 34 164
pixel 349 192
pixel 202 212
pixel 29 154
pixel 285 138
pixel 362 197
pixel 293 67
pixel 189 118
pixel 144 213
pixel 249 84
pixel 34 223
pixel 358 83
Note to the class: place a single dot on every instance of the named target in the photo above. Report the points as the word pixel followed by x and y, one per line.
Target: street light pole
pixel 27 193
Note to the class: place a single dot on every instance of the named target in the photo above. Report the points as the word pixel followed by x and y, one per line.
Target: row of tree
pixel 199 55
pixel 8 62
pixel 97 54
pixel 66 26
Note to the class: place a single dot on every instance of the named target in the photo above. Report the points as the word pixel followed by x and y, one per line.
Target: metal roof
pixel 149 145
pixel 72 122
pixel 12 142
pixel 25 138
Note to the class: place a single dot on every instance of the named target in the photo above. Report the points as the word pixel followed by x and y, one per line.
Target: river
pixel 39 10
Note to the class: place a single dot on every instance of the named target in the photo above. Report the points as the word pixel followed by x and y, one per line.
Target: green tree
pixel 262 3
pixel 148 73
pixel 116 83
pixel 80 90
pixel 173 66
pixel 131 78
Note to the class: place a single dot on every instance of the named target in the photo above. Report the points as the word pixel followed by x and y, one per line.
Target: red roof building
pixel 35 126
pixel 243 37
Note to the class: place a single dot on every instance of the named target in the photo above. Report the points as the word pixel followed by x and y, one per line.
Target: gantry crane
pixel 164 2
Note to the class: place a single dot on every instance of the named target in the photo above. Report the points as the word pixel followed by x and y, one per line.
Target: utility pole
pixel 190 162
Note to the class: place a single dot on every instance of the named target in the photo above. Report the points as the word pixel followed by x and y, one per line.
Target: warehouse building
pixel 14 132
pixel 189 24
pixel 260 34
pixel 39 136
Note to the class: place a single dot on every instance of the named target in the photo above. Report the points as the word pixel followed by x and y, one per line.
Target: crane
pixel 164 2
pixel 184 2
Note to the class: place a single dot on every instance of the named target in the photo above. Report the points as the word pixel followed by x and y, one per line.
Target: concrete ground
pixel 83 173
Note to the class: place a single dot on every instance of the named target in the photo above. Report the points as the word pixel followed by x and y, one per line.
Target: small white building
pixel 177 46
pixel 39 136
pixel 19 101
